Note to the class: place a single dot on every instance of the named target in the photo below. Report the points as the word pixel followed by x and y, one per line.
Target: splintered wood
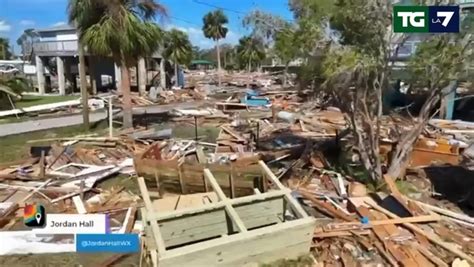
pixel 360 224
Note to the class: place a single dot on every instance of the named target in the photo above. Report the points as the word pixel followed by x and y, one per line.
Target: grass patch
pixel 405 187
pixel 31 100
pixel 14 147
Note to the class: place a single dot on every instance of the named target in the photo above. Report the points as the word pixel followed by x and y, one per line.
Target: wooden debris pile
pixel 66 178
pixel 392 230
pixel 137 100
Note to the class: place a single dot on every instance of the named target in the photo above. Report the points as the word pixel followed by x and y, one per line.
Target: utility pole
pixel 83 81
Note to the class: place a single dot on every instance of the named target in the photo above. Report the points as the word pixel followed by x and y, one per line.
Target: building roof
pixel 201 62
pixel 65 27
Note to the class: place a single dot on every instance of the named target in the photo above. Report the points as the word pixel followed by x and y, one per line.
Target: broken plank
pixel 154 224
pixel 354 226
pixel 81 209
pixel 383 235
pixel 429 255
pixel 446 212
pixel 432 237
pixel 325 208
pixel 385 255
pixel 233 134
pixel 340 233
pixel 417 257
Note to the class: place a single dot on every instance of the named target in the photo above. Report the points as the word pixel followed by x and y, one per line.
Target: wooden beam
pixel 391 185
pixel 344 226
pixel 300 213
pixel 228 207
pixel 42 164
pixel 340 233
pixel 446 212
pixel 154 224
pixel 326 208
pixel 231 182
pixel 158 184
pixel 182 185
pixel 429 255
pixel 217 205
pixel 432 237
pixel 236 246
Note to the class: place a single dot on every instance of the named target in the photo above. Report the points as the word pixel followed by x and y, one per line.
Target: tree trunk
pixel 407 142
pixel 218 62
pixel 225 60
pixel 175 74
pixel 285 75
pixel 127 100
pixel 92 73
pixel 250 70
pixel 84 93
pixel 163 74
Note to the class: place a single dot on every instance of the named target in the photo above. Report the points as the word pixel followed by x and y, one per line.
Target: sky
pixel 186 15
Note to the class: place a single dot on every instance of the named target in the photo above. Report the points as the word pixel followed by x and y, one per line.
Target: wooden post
pixel 206 188
pixel 222 197
pixel 42 165
pixel 196 128
pixel 84 93
pixel 231 181
pixel 111 118
pixel 158 185
pixel 81 190
pixel 264 182
pixel 181 180
pixel 293 203
pixel 160 243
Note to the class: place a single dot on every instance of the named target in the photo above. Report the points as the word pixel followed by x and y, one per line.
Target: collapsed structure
pixel 266 187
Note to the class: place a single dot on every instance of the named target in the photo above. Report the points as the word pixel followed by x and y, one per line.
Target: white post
pixel 142 76
pixel 61 77
pixel 111 126
pixel 40 75
pixel 118 77
pixel 163 73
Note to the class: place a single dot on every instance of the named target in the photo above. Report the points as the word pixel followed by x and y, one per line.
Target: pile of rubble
pixel 273 138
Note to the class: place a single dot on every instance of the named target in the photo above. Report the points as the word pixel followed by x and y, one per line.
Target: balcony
pixel 56 48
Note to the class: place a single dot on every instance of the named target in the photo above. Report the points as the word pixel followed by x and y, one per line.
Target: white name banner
pixel 74 224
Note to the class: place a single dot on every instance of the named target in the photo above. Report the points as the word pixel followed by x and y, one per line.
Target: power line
pixel 218 7
pixel 186 21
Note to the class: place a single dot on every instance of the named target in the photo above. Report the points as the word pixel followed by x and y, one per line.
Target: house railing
pixel 55 47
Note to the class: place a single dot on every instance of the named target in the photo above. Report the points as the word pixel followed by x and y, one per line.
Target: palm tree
pixel 122 29
pixel 178 49
pixel 286 48
pixel 26 41
pixel 250 50
pixel 214 29
pixel 11 86
pixel 4 49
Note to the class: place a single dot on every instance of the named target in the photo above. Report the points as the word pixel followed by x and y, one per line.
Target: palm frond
pixel 178 48
pixel 214 25
pixel 118 28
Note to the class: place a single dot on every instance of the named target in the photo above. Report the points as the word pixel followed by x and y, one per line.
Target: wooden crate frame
pixel 240 231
